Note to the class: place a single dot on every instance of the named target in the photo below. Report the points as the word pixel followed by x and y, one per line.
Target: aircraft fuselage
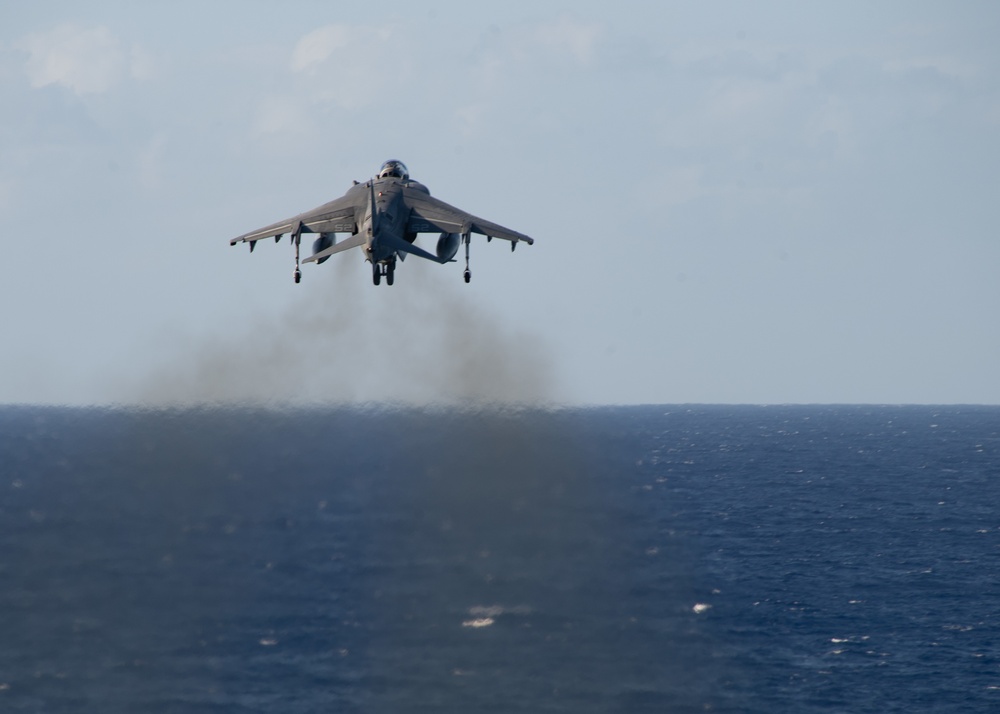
pixel 390 218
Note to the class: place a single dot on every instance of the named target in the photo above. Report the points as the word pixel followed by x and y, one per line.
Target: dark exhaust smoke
pixel 344 341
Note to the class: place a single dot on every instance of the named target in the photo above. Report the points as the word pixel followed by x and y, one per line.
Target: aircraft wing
pixel 429 215
pixel 337 216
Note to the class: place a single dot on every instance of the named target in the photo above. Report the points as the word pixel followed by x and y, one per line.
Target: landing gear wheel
pixel 468 275
pixel 390 273
pixel 298 276
pixel 376 274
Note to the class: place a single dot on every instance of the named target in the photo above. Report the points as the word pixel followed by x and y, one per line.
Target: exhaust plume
pixel 345 341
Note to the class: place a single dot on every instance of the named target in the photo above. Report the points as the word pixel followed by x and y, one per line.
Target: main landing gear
pixel 387 269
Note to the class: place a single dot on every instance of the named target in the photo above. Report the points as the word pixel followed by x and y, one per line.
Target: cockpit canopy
pixel 394 168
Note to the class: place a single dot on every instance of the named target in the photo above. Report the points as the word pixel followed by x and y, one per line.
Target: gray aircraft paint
pixel 383 216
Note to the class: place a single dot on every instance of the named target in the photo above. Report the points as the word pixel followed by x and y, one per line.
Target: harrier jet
pixel 383 217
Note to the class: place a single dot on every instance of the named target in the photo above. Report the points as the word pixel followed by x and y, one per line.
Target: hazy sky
pixel 732 202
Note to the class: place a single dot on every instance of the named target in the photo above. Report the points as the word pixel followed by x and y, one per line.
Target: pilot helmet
pixel 394 168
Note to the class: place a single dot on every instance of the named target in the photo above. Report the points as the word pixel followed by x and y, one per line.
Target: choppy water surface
pixel 670 559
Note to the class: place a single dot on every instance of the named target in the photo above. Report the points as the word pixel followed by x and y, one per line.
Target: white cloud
pixel 280 116
pixel 318 45
pixel 86 61
pixel 347 66
pixel 739 101
pixel 551 59
pixel 569 38
pixel 561 41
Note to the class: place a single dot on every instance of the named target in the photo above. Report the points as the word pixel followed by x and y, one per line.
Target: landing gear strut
pixel 298 273
pixel 468 273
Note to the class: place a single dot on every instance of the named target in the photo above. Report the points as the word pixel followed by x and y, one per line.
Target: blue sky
pixel 732 202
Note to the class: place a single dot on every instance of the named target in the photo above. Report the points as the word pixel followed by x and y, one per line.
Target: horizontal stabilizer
pixel 353 242
pixel 401 246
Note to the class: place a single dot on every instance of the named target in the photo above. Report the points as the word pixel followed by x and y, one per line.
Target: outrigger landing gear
pixel 298 273
pixel 466 238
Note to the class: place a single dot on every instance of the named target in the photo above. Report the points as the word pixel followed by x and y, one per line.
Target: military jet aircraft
pixel 383 217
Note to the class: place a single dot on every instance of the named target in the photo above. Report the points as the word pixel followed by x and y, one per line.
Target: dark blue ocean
pixel 649 559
